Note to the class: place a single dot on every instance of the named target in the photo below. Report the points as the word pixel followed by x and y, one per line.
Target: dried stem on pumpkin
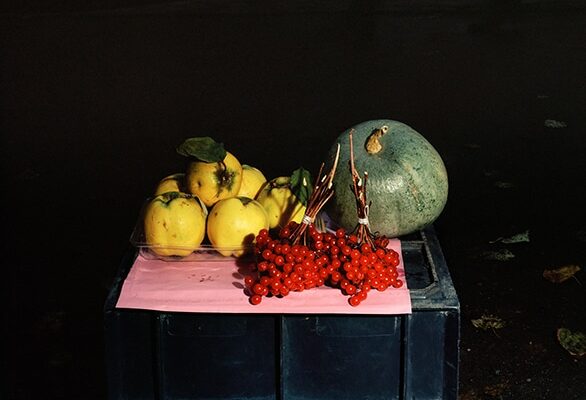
pixel 359 189
pixel 322 191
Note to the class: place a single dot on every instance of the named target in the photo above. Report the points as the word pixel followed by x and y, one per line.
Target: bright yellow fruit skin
pixel 171 183
pixel 174 224
pixel 252 181
pixel 212 182
pixel 233 224
pixel 280 203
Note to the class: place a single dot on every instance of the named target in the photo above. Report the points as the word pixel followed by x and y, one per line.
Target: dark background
pixel 95 97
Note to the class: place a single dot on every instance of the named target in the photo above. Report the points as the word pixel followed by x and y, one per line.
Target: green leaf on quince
pixel 203 148
pixel 301 185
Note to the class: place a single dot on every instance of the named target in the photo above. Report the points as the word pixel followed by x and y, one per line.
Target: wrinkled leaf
pixel 561 274
pixel 204 149
pixel 488 322
pixel 518 238
pixel 573 342
pixel 301 185
pixel 552 123
pixel 497 255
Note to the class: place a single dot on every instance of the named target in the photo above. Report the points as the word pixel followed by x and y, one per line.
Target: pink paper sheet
pixel 218 287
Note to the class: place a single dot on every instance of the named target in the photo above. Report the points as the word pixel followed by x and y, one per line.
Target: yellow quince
pixel 174 224
pixel 252 181
pixel 233 223
pixel 171 183
pixel 281 204
pixel 213 173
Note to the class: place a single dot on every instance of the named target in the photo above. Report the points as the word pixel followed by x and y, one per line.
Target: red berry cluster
pixel 334 259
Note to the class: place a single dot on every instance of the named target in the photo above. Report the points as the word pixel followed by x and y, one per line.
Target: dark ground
pixel 95 98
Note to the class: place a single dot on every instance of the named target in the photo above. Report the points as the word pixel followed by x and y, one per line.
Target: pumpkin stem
pixel 373 145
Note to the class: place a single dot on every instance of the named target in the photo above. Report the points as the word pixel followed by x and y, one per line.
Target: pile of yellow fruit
pixel 219 198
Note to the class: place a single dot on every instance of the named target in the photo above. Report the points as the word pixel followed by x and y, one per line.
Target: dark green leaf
pixel 204 149
pixel 301 185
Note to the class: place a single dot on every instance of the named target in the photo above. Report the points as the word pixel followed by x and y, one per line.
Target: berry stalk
pixel 359 189
pixel 322 191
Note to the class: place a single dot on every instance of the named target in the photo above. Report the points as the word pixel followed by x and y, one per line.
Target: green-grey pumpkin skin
pixel 407 185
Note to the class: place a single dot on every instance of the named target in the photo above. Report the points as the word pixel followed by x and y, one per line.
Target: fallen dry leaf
pixel 496 390
pixel 469 394
pixel 488 322
pixel 573 342
pixel 518 238
pixel 561 274
pixel 497 255
pixel 552 123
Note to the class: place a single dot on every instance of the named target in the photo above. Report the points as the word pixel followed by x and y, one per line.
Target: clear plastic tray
pixel 205 252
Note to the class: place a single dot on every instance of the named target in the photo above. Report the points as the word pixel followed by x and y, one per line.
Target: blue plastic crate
pixel 381 357
pixel 156 355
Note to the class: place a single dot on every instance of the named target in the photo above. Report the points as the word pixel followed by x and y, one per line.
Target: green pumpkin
pixel 407 185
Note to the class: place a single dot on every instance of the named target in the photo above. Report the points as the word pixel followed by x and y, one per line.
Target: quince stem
pixel 224 177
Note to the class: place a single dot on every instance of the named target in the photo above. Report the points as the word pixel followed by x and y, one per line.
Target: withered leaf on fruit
pixel 561 274
pixel 488 322
pixel 573 342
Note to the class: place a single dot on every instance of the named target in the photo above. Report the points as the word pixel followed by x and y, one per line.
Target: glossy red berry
pixel 398 283
pixel 365 248
pixel 263 233
pixel 279 260
pixel 276 284
pixel 354 301
pixel 259 289
pixel 350 289
pixel 265 281
pixel 249 280
pixel 346 250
